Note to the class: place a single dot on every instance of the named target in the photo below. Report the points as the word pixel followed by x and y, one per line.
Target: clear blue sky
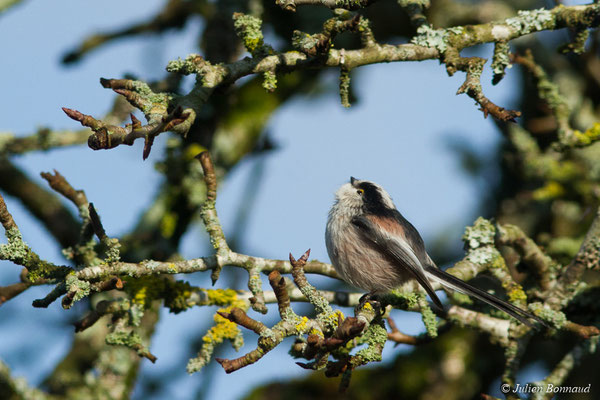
pixel 398 135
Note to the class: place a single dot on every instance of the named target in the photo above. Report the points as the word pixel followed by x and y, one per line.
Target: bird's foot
pixel 373 301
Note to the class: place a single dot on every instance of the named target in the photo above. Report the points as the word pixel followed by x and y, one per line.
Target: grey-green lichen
pixel 456 30
pixel 255 286
pixel 429 37
pixel 83 251
pixel 320 303
pixel 17 251
pixel 500 60
pixel 150 264
pixel 403 299
pixel 153 103
pixel 129 339
pixel 269 81
pixel 267 335
pixel 248 28
pixel 16 248
pixel 366 34
pixel 135 311
pixel 480 234
pixel 557 318
pixel 113 251
pixel 79 288
pixel 483 256
pixel 303 41
pixel 188 66
pixel 428 317
pixel 329 321
pixel 577 46
pixel 375 337
pixel 345 87
pixel 530 21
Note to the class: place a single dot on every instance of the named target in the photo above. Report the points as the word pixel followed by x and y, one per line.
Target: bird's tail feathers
pixel 454 283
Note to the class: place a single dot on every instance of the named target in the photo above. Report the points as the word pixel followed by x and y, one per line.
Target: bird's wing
pixel 397 248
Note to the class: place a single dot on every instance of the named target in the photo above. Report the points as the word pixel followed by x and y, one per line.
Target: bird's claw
pixel 373 301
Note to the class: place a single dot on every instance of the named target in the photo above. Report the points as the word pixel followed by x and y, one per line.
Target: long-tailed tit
pixel 373 247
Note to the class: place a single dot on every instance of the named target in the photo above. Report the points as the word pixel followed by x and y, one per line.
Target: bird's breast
pixel 358 261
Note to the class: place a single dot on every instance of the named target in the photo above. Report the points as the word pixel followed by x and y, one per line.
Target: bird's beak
pixel 352 180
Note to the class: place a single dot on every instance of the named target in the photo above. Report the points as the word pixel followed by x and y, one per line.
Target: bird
pixel 373 247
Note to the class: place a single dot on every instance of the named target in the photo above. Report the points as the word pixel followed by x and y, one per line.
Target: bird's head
pixel 363 196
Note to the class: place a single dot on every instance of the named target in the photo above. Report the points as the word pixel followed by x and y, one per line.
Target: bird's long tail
pixel 454 283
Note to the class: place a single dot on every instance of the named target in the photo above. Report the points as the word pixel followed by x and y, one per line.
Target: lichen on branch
pixel 326 339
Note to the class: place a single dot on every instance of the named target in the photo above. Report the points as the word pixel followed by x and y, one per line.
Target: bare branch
pixel 10 291
pixel 60 185
pixel 173 15
pixel 279 288
pixel 584 332
pixel 473 66
pixel 5 217
pixel 238 316
pixel 291 5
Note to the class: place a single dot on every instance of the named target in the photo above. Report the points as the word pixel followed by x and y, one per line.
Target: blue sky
pixel 397 135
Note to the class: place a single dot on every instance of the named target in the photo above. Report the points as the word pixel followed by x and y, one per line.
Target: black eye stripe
pixel 372 199
pixel 370 190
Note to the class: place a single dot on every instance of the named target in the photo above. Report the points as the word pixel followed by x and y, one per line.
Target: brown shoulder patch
pixel 390 225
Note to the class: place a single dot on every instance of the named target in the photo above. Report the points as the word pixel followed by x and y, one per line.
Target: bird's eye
pixel 360 191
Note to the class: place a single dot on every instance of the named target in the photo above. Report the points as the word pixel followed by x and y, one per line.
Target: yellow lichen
pixel 498 261
pixel 335 316
pixel 589 135
pixel 171 268
pixel 302 325
pixel 252 44
pixel 223 329
pixel 140 296
pixel 144 289
pixel 517 295
pixel 549 191
pixel 330 320
pixel 168 224
pixel 192 151
pixel 225 297
pixel 317 332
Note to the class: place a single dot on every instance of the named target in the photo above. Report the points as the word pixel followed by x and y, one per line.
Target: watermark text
pixel 545 388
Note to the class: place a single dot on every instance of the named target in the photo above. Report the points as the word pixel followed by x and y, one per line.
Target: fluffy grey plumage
pixel 373 247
